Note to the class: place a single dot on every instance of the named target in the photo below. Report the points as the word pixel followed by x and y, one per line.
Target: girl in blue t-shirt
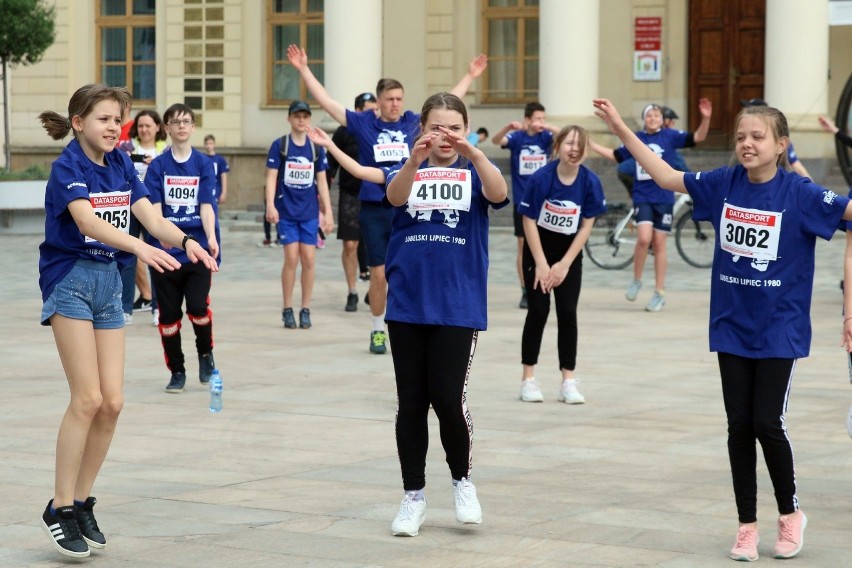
pixel 92 189
pixel 652 205
pixel 437 268
pixel 559 209
pixel 766 222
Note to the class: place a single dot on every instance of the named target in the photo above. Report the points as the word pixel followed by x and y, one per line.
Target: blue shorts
pixel 90 291
pixel 304 232
pixel 375 231
pixel 660 214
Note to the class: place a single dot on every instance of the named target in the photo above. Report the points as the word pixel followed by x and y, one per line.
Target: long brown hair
pixel 81 104
pixel 442 100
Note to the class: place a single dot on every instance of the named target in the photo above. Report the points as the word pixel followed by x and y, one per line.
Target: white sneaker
pixel 468 511
pixel 633 290
pixel 569 393
pixel 155 318
pixel 128 319
pixel 530 392
pixel 410 516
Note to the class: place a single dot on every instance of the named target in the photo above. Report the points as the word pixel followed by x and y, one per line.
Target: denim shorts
pixel 304 232
pixel 90 291
pixel 660 214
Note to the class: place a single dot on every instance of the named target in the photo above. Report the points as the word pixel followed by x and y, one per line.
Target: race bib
pixel 181 191
pixel 750 232
pixel 440 188
pixel 392 152
pixel 641 174
pixel 112 207
pixel 528 164
pixel 560 217
pixel 298 174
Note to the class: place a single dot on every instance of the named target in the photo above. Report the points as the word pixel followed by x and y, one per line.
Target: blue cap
pixel 299 106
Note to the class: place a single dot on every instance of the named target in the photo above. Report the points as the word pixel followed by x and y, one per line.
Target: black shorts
pixel 348 213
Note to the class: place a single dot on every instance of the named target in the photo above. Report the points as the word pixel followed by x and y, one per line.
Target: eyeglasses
pixel 185 122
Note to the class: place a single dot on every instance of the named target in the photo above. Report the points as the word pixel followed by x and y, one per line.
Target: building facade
pixel 227 60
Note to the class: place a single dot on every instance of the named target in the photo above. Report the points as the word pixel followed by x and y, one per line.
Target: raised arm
pixel 665 176
pixel 474 70
pixel 603 151
pixel 319 137
pixel 299 60
pixel 705 108
pixel 500 139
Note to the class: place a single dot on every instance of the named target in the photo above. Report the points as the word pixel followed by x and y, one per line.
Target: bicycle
pixel 613 237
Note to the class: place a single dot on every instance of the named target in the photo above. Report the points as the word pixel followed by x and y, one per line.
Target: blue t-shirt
pixel 296 192
pixel 381 143
pixel 763 263
pixel 111 190
pixel 663 143
pixel 180 188
pixel 583 199
pixel 437 261
pixel 521 146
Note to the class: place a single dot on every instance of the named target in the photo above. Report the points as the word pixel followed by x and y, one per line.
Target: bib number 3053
pixel 112 207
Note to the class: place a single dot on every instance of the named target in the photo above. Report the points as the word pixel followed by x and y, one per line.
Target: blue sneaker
pixel 289 318
pixel 658 300
pixel 633 290
pixel 305 318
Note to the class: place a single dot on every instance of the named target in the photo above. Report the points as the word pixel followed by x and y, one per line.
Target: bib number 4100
pixel 440 191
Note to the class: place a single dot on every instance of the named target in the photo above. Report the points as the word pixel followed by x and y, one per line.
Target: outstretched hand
pixel 297 56
pixel 477 65
pixel 422 148
pixel 607 111
pixel 318 136
pixel 828 124
pixel 156 258
pixel 196 253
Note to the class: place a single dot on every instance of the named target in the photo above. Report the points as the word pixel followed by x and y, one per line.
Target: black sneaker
pixel 305 318
pixel 523 304
pixel 289 318
pixel 88 525
pixel 176 383
pixel 365 276
pixel 352 303
pixel 367 298
pixel 205 367
pixel 141 304
pixel 63 531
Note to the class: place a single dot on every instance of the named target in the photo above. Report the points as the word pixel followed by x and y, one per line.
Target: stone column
pixel 353 48
pixel 568 56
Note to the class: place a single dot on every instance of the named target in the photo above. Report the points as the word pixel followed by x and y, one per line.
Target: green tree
pixel 27 29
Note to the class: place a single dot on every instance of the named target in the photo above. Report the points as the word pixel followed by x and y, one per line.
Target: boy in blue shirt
pixel 295 175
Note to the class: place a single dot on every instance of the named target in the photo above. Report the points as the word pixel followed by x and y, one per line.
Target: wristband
pixel 187 238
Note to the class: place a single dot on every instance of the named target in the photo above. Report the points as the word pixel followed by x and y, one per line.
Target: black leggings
pixel 756 393
pixel 192 282
pixel 567 295
pixel 432 366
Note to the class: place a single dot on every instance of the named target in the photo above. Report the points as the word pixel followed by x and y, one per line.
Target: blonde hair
pixel 582 139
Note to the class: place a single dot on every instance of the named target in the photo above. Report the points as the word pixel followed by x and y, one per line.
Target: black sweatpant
pixel 567 295
pixel 432 366
pixel 756 393
pixel 192 283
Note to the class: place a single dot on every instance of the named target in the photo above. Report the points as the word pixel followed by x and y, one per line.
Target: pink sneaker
pixel 791 534
pixel 745 549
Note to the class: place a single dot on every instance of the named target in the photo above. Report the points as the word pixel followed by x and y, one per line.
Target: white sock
pixel 416 495
pixel 379 323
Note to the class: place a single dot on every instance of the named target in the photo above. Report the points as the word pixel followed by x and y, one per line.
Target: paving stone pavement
pixel 300 468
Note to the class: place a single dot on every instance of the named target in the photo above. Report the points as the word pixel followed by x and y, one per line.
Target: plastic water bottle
pixel 216 392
